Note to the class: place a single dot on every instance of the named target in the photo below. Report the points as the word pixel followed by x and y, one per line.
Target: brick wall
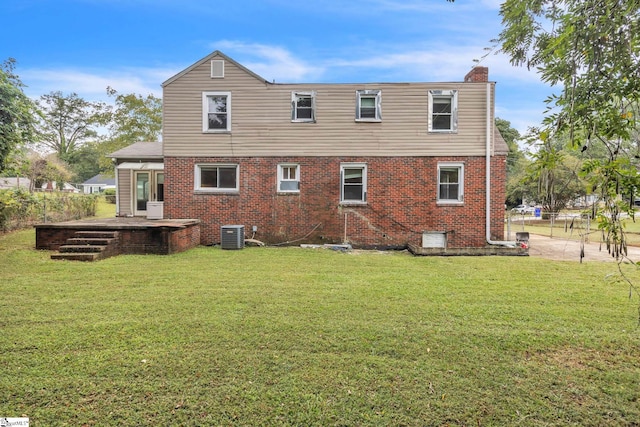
pixel 401 201
pixel 132 240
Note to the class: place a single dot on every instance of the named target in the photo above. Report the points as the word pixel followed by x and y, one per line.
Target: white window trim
pixel 294 106
pixel 344 166
pixel 369 93
pixel 460 199
pixel 205 112
pixel 281 166
pixel 197 177
pixel 454 110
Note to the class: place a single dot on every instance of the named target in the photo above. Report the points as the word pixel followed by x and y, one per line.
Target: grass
pixel 293 336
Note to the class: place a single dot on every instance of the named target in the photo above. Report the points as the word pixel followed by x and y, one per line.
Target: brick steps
pixel 89 246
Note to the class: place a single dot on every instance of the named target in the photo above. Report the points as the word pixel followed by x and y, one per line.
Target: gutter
pixel 488 178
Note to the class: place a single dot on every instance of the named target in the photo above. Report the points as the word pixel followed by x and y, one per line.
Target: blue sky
pixel 83 46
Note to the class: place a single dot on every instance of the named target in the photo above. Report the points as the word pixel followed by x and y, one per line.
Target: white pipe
pixel 488 177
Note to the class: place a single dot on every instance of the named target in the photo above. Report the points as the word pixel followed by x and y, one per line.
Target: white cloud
pixel 92 84
pixel 271 62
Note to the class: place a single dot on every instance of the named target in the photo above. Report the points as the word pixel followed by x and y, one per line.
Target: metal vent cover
pixel 232 236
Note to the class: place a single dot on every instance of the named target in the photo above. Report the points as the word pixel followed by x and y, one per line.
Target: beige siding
pixel 261 119
pixel 124 192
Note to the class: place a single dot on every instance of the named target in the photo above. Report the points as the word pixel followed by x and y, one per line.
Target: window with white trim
pixel 303 106
pixel 214 177
pixel 368 105
pixel 450 182
pixel 443 110
pixel 216 112
pixel 353 182
pixel 289 178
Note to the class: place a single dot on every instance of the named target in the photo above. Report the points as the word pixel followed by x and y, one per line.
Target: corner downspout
pixel 488 178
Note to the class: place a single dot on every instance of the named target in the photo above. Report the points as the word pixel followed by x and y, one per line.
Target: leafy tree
pixel 84 162
pixel 554 172
pixel 511 136
pixel 68 122
pixel 589 49
pixel 47 169
pixel 516 162
pixel 16 112
pixel 135 118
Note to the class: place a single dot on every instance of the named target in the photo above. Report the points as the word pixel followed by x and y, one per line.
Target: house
pixel 98 184
pixel 139 178
pixel 371 164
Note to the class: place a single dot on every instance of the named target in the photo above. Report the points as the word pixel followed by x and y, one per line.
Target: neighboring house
pixel 371 164
pixel 53 186
pixel 25 184
pixel 98 184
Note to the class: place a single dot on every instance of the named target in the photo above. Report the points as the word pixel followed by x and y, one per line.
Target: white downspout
pixel 488 177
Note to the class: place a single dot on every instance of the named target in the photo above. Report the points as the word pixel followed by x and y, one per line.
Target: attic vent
pixel 217 68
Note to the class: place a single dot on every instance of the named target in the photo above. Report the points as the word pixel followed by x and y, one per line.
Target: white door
pixel 149 187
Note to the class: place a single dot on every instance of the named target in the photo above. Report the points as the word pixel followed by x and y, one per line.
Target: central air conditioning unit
pixel 232 237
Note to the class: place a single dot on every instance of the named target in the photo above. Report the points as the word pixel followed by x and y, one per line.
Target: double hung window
pixel 353 185
pixel 368 105
pixel 450 182
pixel 443 110
pixel 216 111
pixel 303 106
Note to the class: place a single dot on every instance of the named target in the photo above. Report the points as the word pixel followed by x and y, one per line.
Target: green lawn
pixel 289 336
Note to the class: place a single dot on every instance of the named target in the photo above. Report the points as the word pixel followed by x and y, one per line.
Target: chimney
pixel 477 75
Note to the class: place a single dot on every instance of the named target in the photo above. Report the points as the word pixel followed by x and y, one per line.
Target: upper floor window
pixel 216 111
pixel 368 105
pixel 212 177
pixel 353 186
pixel 303 106
pixel 450 182
pixel 289 178
pixel 443 110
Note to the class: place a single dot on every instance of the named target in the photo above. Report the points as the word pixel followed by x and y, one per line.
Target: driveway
pixel 569 250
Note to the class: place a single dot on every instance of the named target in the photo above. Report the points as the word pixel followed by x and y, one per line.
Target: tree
pixel 554 172
pixel 135 119
pixel 588 49
pixel 68 122
pixel 16 112
pixel 84 162
pixel 516 163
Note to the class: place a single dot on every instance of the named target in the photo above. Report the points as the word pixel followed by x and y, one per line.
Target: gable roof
pixel 215 54
pixel 139 150
pixel 100 180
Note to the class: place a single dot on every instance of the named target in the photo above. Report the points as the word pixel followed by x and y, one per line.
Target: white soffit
pixel 141 166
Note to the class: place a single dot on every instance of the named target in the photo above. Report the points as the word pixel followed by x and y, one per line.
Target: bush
pixel 21 209
pixel 110 195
